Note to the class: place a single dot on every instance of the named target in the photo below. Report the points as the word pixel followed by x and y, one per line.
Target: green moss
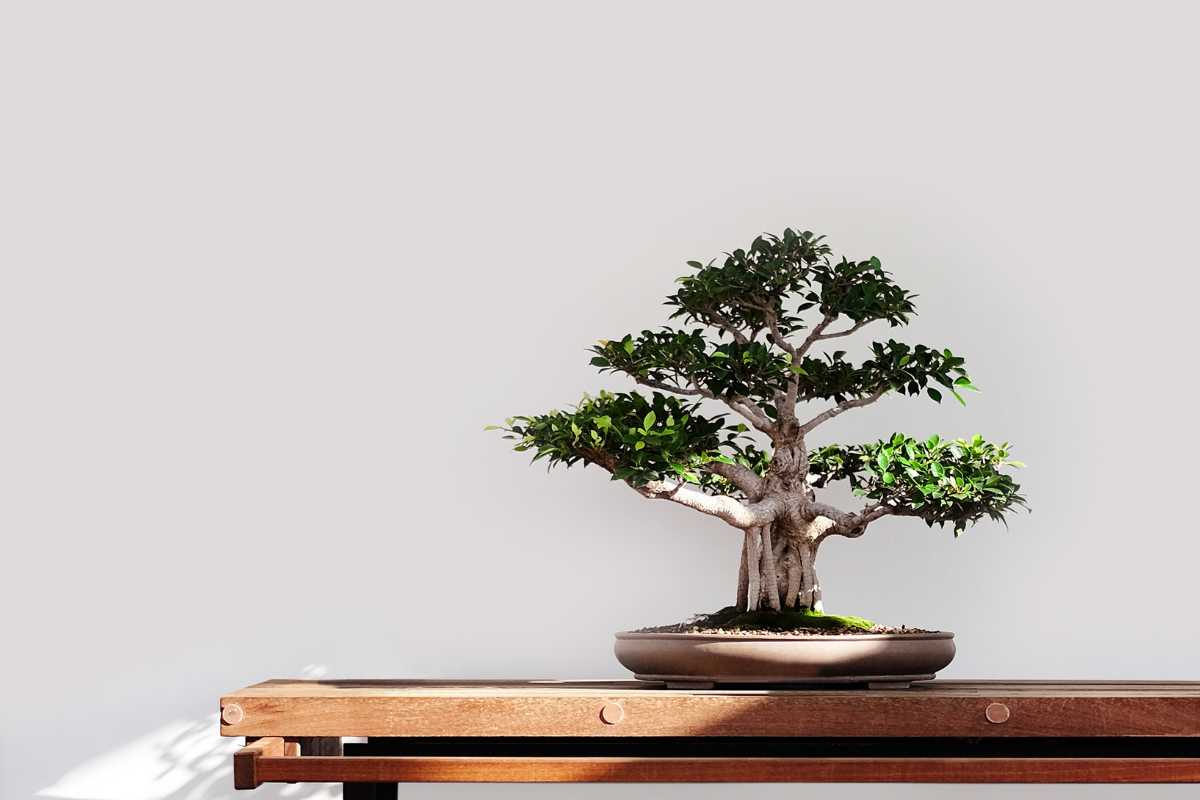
pixel 789 619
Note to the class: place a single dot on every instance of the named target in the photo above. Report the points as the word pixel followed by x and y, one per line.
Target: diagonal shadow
pixel 182 759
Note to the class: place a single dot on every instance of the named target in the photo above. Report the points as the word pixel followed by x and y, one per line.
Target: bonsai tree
pixel 758 328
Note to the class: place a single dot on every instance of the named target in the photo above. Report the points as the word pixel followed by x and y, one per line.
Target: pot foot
pixel 691 685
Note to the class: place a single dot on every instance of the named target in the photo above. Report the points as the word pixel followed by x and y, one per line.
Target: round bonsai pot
pixel 706 659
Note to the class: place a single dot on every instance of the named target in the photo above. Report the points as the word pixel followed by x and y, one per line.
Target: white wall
pixel 269 268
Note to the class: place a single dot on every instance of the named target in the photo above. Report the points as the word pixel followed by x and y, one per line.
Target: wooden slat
pixel 718 770
pixel 556 708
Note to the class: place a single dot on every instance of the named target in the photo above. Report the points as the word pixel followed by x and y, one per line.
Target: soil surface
pixel 799 623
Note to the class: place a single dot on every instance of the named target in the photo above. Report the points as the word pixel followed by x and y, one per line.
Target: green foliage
pixel 777 271
pixel 788 619
pixel 679 358
pixel 909 369
pixel 791 281
pixel 675 359
pixel 957 481
pixel 638 439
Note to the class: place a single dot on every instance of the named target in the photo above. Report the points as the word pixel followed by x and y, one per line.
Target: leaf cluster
pixel 941 481
pixel 684 359
pixel 677 360
pixel 908 369
pixel 781 277
pixel 637 439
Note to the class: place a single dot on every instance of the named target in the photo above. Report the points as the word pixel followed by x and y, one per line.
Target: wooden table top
pixel 552 708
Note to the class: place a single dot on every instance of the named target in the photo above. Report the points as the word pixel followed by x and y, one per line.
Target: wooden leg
pixel 320 745
pixel 370 791
pixel 366 791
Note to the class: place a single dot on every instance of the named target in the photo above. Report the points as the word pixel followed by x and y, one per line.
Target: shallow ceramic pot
pixel 700 659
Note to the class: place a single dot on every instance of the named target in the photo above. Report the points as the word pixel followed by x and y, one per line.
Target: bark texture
pixel 770 578
pixel 783 523
pixel 754 568
pixel 778 567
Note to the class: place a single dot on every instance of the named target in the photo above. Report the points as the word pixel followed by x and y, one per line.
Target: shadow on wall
pixel 181 760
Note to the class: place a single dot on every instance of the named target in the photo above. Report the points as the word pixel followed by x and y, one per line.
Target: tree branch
pixel 813 336
pixel 849 525
pixel 785 405
pixel 797 352
pixel 739 475
pixel 744 406
pixel 852 329
pixel 736 513
pixel 750 410
pixel 688 391
pixel 840 408
pixel 726 324
pixel 776 334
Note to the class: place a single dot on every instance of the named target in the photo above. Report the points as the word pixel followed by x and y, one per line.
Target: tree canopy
pixel 752 323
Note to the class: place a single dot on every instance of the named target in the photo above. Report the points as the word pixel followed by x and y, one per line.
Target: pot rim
pixel 783 637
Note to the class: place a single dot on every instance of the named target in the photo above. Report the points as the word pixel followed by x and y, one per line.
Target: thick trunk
pixel 808 591
pixel 777 569
pixel 770 578
pixel 753 553
pixel 793 578
pixel 781 566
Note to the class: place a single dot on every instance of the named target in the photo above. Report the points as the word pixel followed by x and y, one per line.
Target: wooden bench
pixel 372 734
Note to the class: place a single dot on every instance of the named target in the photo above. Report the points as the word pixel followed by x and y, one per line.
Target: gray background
pixel 269 268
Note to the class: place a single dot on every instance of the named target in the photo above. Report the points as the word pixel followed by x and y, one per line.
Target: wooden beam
pixel 392 769
pixel 532 708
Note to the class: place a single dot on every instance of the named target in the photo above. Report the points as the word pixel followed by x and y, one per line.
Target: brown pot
pixel 701 659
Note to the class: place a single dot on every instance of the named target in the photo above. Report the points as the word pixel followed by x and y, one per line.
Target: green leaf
pixel 934 393
pixel 649 420
pixel 493 427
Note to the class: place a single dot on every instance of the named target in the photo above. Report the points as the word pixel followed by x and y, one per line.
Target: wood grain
pixel 562 708
pixel 719 770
